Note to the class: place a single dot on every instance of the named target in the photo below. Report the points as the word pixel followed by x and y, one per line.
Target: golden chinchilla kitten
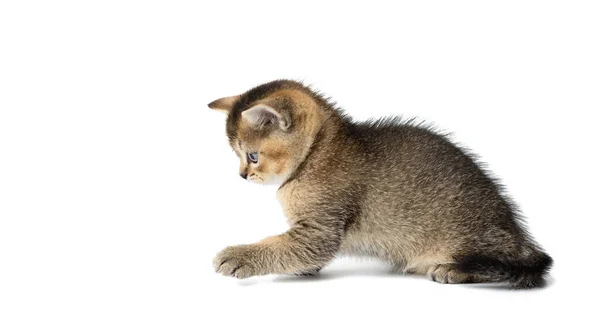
pixel 389 189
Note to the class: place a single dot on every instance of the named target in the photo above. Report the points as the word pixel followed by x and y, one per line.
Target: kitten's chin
pixel 273 181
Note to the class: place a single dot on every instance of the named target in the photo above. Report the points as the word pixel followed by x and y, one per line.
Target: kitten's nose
pixel 244 175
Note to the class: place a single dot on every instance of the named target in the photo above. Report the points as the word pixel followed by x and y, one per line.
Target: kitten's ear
pixel 261 115
pixel 224 104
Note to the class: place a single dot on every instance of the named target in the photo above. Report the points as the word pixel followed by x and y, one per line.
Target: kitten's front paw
pixel 238 261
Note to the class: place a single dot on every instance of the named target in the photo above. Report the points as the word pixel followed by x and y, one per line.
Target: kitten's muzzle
pixel 244 175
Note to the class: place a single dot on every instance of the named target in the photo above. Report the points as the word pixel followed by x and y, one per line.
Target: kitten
pixel 389 189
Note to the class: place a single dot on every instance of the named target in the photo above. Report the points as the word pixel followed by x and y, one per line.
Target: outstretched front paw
pixel 241 261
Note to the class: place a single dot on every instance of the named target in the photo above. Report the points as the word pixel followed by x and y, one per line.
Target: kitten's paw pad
pixel 237 261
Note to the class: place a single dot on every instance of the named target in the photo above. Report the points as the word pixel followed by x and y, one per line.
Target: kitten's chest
pixel 292 200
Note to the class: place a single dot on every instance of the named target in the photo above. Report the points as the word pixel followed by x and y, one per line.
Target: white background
pixel 117 185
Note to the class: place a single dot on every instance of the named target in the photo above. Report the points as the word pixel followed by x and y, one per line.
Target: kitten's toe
pixel 229 267
pixel 236 261
pixel 448 274
pixel 439 274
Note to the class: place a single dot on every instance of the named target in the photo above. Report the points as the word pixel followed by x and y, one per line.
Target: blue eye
pixel 253 157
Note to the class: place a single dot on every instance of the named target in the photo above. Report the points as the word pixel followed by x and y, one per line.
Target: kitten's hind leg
pixel 449 273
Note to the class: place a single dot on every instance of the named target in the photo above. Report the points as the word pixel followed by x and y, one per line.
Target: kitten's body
pixel 388 189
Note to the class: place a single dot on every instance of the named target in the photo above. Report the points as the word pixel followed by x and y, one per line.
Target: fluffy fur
pixel 390 189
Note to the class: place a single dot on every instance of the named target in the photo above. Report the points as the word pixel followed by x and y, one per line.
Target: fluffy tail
pixel 521 273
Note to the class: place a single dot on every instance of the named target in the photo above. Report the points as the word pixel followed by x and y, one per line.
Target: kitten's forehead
pixel 242 145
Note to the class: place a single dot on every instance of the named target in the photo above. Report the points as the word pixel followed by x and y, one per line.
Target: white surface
pixel 117 185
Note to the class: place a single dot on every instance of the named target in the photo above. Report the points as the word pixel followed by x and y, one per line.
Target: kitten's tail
pixel 520 273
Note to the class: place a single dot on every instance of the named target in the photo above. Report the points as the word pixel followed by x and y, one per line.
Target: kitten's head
pixel 271 128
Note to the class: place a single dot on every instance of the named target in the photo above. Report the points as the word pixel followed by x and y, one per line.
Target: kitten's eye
pixel 253 157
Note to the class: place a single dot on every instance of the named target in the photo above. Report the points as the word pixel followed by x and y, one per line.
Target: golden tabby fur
pixel 387 189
